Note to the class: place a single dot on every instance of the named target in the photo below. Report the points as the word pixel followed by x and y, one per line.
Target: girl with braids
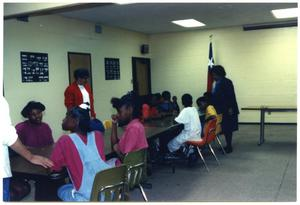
pixel 81 152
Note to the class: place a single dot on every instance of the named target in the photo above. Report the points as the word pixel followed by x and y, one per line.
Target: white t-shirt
pixel 8 137
pixel 85 96
pixel 190 118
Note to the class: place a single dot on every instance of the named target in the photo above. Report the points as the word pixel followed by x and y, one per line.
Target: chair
pixel 219 131
pixel 111 185
pixel 209 136
pixel 107 124
pixel 136 165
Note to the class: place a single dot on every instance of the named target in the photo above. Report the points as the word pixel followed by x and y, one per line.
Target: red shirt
pixel 65 154
pixel 73 97
pixel 34 135
pixel 154 112
pixel 146 111
pixel 133 138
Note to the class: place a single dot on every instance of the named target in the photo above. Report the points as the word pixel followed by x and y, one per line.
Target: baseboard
pixel 268 123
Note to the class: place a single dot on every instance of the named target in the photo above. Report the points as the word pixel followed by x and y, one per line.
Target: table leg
pixel 262 127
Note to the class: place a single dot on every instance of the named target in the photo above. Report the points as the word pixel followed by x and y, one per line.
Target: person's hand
pixel 114 119
pixel 43 161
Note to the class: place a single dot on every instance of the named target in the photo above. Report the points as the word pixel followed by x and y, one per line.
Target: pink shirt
pixel 65 154
pixel 34 135
pixel 133 138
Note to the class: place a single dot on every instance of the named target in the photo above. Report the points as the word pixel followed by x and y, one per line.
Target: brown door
pixel 141 76
pixel 79 60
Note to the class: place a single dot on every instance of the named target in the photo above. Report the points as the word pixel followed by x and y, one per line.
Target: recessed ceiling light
pixel 285 13
pixel 188 23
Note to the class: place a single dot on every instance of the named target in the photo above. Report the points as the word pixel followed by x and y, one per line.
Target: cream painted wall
pixel 262 65
pixel 56 36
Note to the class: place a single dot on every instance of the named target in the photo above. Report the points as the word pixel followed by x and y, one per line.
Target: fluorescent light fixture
pixel 188 23
pixel 285 13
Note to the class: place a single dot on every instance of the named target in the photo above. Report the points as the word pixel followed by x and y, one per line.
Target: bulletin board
pixel 112 68
pixel 34 67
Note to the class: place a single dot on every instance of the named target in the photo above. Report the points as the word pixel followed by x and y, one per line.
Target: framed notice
pixel 112 68
pixel 34 67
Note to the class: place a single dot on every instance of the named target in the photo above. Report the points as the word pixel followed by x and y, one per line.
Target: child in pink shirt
pixel 134 138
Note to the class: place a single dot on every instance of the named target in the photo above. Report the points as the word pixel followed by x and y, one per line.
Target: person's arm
pixel 231 99
pixel 69 98
pixel 114 132
pixel 118 152
pixel 35 159
pixel 114 137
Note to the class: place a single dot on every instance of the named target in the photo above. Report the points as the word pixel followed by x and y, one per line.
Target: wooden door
pixel 141 76
pixel 79 60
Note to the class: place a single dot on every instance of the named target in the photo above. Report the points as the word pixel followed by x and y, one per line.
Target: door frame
pixel 148 62
pixel 90 58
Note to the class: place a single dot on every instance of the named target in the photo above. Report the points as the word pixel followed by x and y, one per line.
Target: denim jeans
pixel 6 182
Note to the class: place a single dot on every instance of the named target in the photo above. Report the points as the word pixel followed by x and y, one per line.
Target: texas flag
pixel 210 65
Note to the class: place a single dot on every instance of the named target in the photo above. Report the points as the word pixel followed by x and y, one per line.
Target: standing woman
pixel 224 100
pixel 79 93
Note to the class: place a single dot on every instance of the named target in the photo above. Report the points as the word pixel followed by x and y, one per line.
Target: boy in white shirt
pixel 189 117
pixel 9 138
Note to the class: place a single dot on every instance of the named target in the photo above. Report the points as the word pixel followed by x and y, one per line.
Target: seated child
pixel 33 132
pixel 190 119
pixel 81 152
pixel 133 138
pixel 175 104
pixel 146 108
pixel 206 108
pixel 207 111
pixel 166 105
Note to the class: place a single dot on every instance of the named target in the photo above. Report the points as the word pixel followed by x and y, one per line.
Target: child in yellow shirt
pixel 206 110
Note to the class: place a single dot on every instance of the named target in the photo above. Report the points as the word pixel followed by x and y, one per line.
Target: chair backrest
pixel 107 124
pixel 210 130
pixel 218 126
pixel 111 185
pixel 136 164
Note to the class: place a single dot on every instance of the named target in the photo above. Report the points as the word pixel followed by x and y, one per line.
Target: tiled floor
pixel 253 173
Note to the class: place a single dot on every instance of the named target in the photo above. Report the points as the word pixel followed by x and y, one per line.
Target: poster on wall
pixel 112 68
pixel 34 67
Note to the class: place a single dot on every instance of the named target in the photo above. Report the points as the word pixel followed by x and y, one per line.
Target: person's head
pixel 34 112
pixel 202 103
pixel 218 72
pixel 128 107
pixel 81 76
pixel 166 95
pixel 158 97
pixel 174 98
pixel 155 99
pixel 208 96
pixel 187 100
pixel 77 120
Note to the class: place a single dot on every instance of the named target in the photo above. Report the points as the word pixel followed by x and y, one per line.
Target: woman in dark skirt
pixel 224 100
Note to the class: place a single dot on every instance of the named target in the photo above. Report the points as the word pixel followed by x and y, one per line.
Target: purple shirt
pixel 34 135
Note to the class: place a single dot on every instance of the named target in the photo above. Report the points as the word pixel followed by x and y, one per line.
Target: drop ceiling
pixel 151 18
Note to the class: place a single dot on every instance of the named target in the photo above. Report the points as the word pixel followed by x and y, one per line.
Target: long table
pixel 22 168
pixel 263 109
